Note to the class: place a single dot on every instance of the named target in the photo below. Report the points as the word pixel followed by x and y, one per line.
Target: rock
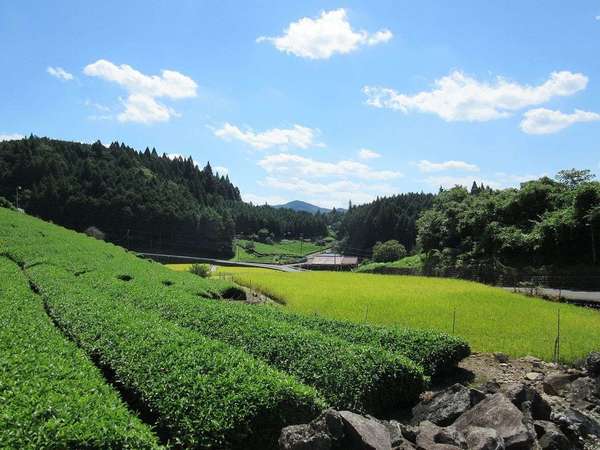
pixel 395 431
pixel 303 437
pixel 432 437
pixel 550 436
pixel 445 406
pixel 534 376
pixel 498 412
pixel 365 434
pixel 490 387
pixel 501 357
pixel 409 432
pixel 556 382
pixel 592 364
pixel 483 439
pixel 404 445
pixel 584 390
pixel 575 423
pixel 518 393
pixel 330 421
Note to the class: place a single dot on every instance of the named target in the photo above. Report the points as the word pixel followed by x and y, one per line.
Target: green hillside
pixel 159 360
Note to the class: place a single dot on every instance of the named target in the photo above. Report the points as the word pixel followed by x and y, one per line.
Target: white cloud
pixel 141 105
pixel 286 163
pixel 179 155
pixel 597 17
pixel 497 180
pixel 221 170
pixel 262 199
pixel 297 136
pixel 547 121
pixel 60 73
pixel 458 97
pixel 324 36
pixel 428 166
pixel 365 153
pixel 11 137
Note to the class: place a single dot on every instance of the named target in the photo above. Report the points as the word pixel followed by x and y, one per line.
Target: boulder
pixel 501 357
pixel 534 376
pixel 556 382
pixel 432 437
pixel 304 437
pixel 499 413
pixel 518 393
pixel 550 437
pixel 362 433
pixel 584 391
pixel 330 421
pixel 576 423
pixel 592 364
pixel 483 439
pixel 409 432
pixel 445 406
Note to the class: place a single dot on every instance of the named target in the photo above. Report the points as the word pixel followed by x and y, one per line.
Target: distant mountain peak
pixel 299 205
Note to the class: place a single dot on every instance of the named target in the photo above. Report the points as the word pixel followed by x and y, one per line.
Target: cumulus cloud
pixel 179 155
pixel 262 199
pixel 141 105
pixel 497 180
pixel 11 137
pixel 547 121
pixel 428 166
pixel 365 153
pixel 299 165
pixel 221 170
pixel 60 73
pixel 297 136
pixel 458 97
pixel 322 37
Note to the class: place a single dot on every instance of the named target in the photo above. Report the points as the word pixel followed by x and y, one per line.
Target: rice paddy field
pixel 490 319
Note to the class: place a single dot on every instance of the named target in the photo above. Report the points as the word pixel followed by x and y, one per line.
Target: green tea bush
pixel 202 270
pixel 200 392
pixel 436 352
pixel 51 395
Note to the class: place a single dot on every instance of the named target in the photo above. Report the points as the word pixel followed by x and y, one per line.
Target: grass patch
pixel 413 262
pixel 276 253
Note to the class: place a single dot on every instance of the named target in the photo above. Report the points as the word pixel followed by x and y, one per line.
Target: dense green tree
pixel 387 251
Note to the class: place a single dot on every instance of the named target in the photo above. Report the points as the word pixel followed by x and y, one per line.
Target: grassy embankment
pixel 490 319
pixel 278 252
pixel 408 262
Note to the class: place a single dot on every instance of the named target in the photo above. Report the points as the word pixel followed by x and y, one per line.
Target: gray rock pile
pixel 555 409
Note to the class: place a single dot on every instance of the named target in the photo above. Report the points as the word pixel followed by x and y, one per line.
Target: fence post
pixel 557 341
pixel 454 320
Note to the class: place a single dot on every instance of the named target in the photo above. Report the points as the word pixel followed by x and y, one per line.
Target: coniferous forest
pixel 141 200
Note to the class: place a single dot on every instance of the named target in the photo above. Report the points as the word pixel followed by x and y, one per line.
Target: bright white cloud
pixel 428 166
pixel 458 97
pixel 297 136
pixel 179 155
pixel 11 137
pixel 365 153
pixel 141 105
pixel 60 73
pixel 547 121
pixel 221 170
pixel 262 199
pixel 324 36
pixel 286 163
pixel 497 180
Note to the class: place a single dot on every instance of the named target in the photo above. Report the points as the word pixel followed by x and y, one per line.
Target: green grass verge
pixel 51 395
pixel 490 319
pixel 278 252
pixel 413 262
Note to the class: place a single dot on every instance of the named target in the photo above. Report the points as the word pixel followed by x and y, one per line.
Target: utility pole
pixel 18 189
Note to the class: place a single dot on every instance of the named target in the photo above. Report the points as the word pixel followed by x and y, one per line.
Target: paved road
pixel 582 297
pixel 219 262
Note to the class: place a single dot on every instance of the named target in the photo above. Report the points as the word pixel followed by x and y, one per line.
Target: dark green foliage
pixel 6 204
pixel 434 351
pixel 543 223
pixel 388 251
pixel 384 219
pixel 51 395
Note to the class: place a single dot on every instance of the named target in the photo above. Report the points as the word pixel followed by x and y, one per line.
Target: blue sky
pixel 320 101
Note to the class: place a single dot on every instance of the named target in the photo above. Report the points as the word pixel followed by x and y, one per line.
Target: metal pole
pixel 18 189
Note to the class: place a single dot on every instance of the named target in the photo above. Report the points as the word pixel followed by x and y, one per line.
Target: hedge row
pixel 434 351
pixel 200 392
pixel 51 395
pixel 364 378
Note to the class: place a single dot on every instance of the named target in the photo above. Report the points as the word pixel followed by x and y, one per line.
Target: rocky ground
pixel 497 404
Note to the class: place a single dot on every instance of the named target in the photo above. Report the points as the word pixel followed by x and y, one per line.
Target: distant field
pixel 278 252
pixel 490 319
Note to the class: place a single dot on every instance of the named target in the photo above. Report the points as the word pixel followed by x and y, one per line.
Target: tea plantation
pixel 102 349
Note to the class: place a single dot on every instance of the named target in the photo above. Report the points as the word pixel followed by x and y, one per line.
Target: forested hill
pixel 381 220
pixel 141 200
